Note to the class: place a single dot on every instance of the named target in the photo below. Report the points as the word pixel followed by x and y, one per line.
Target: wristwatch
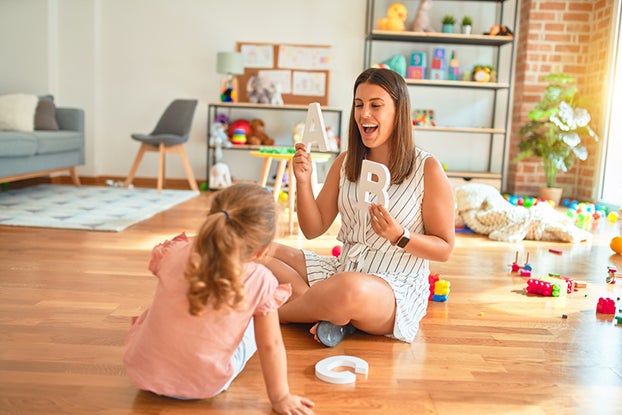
pixel 404 239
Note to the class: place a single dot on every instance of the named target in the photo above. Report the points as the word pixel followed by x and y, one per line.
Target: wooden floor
pixel 66 298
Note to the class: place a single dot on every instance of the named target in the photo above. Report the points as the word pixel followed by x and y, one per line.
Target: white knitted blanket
pixel 482 208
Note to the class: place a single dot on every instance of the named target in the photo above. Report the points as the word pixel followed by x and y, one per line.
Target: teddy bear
pixel 396 16
pixel 257 136
pixel 257 90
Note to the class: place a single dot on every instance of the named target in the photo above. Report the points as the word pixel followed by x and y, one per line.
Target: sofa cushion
pixel 17 144
pixel 45 115
pixel 17 112
pixel 57 141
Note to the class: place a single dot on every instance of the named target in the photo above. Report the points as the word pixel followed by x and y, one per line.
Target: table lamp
pixel 229 64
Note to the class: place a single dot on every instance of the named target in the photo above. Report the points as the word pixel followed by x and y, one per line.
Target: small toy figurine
pixel 611 275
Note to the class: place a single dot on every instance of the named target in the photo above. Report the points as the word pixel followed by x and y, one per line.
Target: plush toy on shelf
pixel 257 135
pixel 422 18
pixel 258 90
pixel 395 18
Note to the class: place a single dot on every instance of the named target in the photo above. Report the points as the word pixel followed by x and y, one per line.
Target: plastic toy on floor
pixel 439 288
pixel 606 306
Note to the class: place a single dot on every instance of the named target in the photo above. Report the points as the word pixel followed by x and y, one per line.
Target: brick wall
pixel 560 36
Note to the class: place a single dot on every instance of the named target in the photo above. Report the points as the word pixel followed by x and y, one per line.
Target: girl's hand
pixel 302 164
pixel 293 405
pixel 383 223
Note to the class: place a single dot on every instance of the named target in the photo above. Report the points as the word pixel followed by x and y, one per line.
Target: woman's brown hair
pixel 402 152
pixel 241 221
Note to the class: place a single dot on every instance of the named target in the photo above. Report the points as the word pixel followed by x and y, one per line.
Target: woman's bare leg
pixel 288 266
pixel 365 300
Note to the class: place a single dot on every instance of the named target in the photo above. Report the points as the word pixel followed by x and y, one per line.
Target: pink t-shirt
pixel 171 352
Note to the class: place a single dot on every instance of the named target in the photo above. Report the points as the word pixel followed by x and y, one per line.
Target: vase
pixel 551 193
pixel 466 30
pixel 447 28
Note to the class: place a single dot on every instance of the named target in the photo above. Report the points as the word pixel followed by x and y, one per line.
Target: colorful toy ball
pixel 336 251
pixel 616 244
pixel 613 216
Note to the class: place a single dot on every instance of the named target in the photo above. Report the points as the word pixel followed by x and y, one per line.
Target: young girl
pixel 379 283
pixel 214 307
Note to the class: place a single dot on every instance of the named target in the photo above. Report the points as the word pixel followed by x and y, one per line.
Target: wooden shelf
pixel 250 105
pixel 437 37
pixel 458 84
pixel 469 175
pixel 473 130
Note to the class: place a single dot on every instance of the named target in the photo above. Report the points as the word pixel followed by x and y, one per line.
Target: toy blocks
pixel 454 69
pixel 438 68
pixel 549 287
pixel 439 288
pixel 606 306
pixel 417 67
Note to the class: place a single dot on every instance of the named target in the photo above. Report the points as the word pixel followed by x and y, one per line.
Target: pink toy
pixel 606 306
pixel 336 251
pixel 546 287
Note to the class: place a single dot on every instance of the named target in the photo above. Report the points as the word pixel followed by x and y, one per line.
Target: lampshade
pixel 230 63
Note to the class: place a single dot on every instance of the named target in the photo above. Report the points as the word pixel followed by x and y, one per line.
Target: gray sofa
pixel 36 153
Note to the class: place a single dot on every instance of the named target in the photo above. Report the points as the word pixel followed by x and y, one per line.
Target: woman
pixel 379 283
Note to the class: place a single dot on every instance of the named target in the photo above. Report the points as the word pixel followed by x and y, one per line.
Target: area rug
pixel 93 208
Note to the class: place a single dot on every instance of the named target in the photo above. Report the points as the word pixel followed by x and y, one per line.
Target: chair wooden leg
pixel 161 166
pixel 74 176
pixel 139 157
pixel 280 172
pixel 189 174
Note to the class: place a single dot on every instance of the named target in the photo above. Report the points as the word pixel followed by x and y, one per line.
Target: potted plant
pixel 555 131
pixel 467 25
pixel 448 24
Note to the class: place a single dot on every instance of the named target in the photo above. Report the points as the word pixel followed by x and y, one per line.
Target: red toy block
pixel 606 306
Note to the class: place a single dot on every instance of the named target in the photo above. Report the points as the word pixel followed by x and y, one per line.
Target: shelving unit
pixel 471 136
pixel 279 127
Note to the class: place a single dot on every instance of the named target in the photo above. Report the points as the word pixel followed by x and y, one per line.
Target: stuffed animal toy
pixel 397 63
pixel 218 138
pixel 422 19
pixel 499 30
pixel 257 91
pixel 396 16
pixel 257 136
pixel 219 176
pixel 276 97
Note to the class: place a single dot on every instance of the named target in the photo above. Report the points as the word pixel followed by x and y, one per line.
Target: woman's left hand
pixel 383 223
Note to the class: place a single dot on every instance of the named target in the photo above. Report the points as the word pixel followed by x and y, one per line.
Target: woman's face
pixel 374 112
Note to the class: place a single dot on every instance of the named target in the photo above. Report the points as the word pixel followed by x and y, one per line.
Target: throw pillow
pixel 17 112
pixel 45 115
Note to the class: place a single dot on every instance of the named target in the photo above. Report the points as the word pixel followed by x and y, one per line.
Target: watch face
pixel 403 242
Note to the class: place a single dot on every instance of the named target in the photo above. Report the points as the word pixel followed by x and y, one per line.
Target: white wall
pixel 123 61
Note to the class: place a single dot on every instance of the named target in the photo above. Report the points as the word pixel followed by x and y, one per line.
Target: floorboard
pixel 66 298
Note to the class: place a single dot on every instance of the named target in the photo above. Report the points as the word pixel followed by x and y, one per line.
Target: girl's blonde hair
pixel 241 222
pixel 402 153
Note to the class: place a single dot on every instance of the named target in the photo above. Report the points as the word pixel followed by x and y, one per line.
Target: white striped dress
pixel 364 251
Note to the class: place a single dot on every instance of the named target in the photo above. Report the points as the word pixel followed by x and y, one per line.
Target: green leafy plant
pixel 449 19
pixel 467 21
pixel 556 128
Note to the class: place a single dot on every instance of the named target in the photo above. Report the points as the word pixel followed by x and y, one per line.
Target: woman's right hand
pixel 293 405
pixel 302 164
